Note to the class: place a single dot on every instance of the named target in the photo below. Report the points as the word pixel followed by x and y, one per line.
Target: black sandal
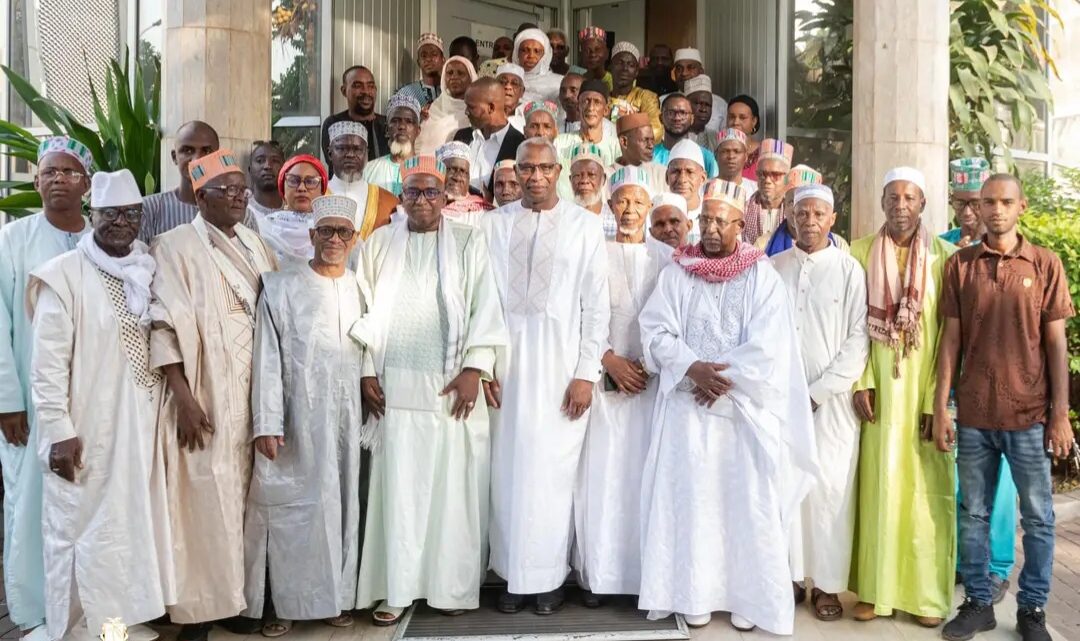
pixel 800 592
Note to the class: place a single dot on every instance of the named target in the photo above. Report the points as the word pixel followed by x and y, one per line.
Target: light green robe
pixel 905 532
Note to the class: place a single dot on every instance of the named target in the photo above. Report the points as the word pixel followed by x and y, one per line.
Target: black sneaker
pixel 1031 624
pixel 971 619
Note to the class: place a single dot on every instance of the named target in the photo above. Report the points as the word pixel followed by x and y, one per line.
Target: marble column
pixel 216 68
pixel 900 104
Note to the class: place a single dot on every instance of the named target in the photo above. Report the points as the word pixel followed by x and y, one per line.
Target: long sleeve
pixel 50 370
pixel 848 365
pixel 650 104
pixel 11 391
pixel 595 310
pixel 661 331
pixel 267 386
pixel 486 336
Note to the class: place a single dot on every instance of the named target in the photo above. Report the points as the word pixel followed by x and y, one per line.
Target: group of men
pixel 575 349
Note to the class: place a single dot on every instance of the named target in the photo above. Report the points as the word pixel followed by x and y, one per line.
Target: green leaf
pixel 21 200
pixel 43 108
pixel 978 62
pixel 1001 22
pixel 19 185
pixel 968 81
pixel 959 104
pixel 991 52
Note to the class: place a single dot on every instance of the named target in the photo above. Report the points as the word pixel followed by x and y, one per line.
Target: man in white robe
pixel 732 450
pixel 303 510
pixel 205 293
pixel 608 495
pixel 105 530
pixel 432 331
pixel 686 176
pixel 348 158
pixel 827 288
pixel 25 244
pixel 550 265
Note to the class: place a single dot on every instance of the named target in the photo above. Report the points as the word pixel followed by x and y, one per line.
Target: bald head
pixel 197 128
pixel 194 139
pixel 484 105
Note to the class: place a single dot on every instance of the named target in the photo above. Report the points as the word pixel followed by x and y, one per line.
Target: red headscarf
pixel 297 160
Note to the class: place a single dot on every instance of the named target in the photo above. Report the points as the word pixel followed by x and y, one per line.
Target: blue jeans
pixel 978 458
pixel 1002 523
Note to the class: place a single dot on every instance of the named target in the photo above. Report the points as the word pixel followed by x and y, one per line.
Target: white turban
pixel 909 174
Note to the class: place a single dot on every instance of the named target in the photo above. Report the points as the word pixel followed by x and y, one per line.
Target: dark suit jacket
pixel 507 151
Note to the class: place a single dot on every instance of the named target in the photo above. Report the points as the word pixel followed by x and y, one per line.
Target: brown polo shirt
pixel 1002 302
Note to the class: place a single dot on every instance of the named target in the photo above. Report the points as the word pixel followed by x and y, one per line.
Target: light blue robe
pixel 24 245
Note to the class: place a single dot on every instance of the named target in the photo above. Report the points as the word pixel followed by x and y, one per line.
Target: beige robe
pixel 203 317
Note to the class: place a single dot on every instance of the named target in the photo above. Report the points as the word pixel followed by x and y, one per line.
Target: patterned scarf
pixel 895 299
pixel 717 270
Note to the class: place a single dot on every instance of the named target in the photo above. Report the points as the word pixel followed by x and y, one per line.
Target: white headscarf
pixel 540 82
pixel 446 115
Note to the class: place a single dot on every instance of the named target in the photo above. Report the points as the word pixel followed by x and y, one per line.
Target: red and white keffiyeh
pixel 717 270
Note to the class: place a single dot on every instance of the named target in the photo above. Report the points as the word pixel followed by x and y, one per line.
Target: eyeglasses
pixel 960 205
pixel 52 173
pixel 111 214
pixel 344 233
pixel 349 150
pixel 411 194
pixel 678 113
pixel 546 168
pixel 311 182
pixel 233 191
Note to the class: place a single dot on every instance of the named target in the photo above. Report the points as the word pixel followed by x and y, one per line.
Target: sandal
pixel 826 606
pixel 276 628
pixel 455 612
pixel 386 615
pixel 800 592
pixel 343 620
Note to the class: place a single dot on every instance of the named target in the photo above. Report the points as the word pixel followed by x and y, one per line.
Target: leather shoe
pixel 590 600
pixel 511 603
pixel 550 602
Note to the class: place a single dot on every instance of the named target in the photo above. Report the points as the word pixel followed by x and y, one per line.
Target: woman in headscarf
pixel 301 179
pixel 447 113
pixel 532 52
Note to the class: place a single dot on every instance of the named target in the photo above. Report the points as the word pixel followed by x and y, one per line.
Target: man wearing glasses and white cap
pixel 688 65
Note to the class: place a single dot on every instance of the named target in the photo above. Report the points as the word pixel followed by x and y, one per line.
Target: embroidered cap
pixel 777 150
pixel 630 176
pixel 429 165
pixel 334 206
pixel 731 134
pixel 592 32
pixel 726 192
pixel 821 192
pixel 969 174
pixel 66 145
pixel 346 128
pixel 696 84
pixel 429 39
pixel 210 166
pixel 403 100
pixel 802 175
pixel 687 54
pixel 452 149
pixel 625 47
pixel 537 105
pixel 909 174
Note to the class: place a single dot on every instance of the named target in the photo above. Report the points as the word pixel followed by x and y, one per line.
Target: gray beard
pixel 349 177
pixel 401 149
pixel 588 201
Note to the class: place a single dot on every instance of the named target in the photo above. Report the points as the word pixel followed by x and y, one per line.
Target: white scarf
pixel 136 270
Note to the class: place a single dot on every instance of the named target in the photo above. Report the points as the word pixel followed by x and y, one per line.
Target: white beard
pixel 588 201
pixel 401 149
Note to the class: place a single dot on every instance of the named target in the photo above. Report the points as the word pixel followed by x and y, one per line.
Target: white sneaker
pixel 742 624
pixel 697 620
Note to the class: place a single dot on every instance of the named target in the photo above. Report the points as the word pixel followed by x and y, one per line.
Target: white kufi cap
pixel 909 174
pixel 821 192
pixel 114 189
pixel 687 149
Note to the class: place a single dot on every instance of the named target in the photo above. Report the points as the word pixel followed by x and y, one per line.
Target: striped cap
pixel 969 174
pixel 802 175
pixel 429 165
pixel 592 32
pixel 731 134
pixel 66 145
pixel 727 192
pixel 772 148
pixel 587 151
pixel 537 105
pixel 334 206
pixel 210 166
pixel 630 176
pixel 346 128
